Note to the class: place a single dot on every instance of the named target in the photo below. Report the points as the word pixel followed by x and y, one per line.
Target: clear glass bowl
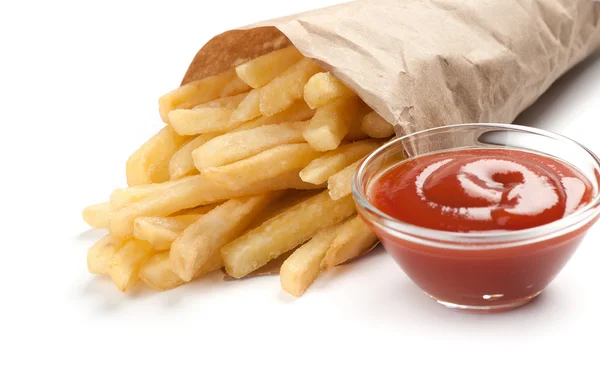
pixel 484 271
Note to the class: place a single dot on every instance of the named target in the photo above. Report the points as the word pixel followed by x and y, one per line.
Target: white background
pixel 79 83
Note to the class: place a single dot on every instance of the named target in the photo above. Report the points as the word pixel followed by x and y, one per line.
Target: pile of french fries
pixel 253 164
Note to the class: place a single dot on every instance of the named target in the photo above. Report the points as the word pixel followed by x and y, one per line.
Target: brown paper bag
pixel 428 63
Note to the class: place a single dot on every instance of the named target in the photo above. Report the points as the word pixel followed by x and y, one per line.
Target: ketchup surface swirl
pixel 481 190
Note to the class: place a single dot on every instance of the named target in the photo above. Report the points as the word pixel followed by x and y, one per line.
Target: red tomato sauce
pixel 474 191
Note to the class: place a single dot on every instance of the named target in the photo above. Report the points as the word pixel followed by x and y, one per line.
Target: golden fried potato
pixel 201 91
pixel 101 253
pixel 182 163
pixel 283 232
pixel 200 120
pixel 288 87
pixel 120 198
pixel 235 146
pixel 126 262
pixel 320 169
pixel 298 111
pixel 340 184
pixel 150 163
pixel 97 215
pixel 204 238
pixel 354 239
pixel 248 109
pixel 323 89
pixel 376 126
pixel 160 232
pixel 260 71
pixel 302 268
pixel 191 192
pixel 156 271
pixel 267 164
pixel 331 124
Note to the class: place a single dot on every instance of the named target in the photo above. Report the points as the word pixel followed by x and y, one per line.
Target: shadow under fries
pixel 541 114
pixel 91 235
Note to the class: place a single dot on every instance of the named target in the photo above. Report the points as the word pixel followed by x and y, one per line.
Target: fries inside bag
pixel 427 63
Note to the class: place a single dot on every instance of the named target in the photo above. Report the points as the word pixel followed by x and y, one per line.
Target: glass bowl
pixel 483 271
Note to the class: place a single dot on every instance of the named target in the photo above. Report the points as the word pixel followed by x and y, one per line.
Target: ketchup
pixel 481 190
pixel 476 191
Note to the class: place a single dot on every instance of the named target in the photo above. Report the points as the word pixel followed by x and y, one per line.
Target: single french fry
pixel 267 164
pixel 191 192
pixel 340 184
pixel 287 88
pixel 320 169
pixel 248 109
pixel 160 232
pixel 355 132
pixel 298 111
pixel 97 215
pixel 125 263
pixel 202 240
pixel 200 120
pixel 101 253
pixel 302 268
pixel 231 102
pixel 235 146
pixel 120 198
pixel 156 271
pixel 182 163
pixel 200 210
pixel 283 232
pixel 150 163
pixel 376 126
pixel 354 239
pixel 330 124
pixel 323 89
pixel 201 91
pixel 235 86
pixel 260 71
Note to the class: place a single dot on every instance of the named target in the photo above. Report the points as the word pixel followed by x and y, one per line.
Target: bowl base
pixel 483 309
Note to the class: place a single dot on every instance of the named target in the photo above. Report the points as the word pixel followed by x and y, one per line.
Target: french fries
pixel 260 71
pixel 97 215
pixel 160 232
pixel 251 173
pixel 320 169
pixel 268 164
pixel 235 146
pixel 323 89
pixel 120 198
pixel 331 124
pixel 182 163
pixel 302 268
pixel 150 163
pixel 298 111
pixel 200 120
pixel 340 184
pixel 354 239
pixel 201 91
pixel 156 271
pixel 248 109
pixel 287 88
pixel 101 253
pixel 376 126
pixel 227 102
pixel 202 240
pixel 355 132
pixel 191 192
pixel 126 262
pixel 283 232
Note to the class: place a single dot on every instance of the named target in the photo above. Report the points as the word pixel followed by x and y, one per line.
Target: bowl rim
pixel 450 239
